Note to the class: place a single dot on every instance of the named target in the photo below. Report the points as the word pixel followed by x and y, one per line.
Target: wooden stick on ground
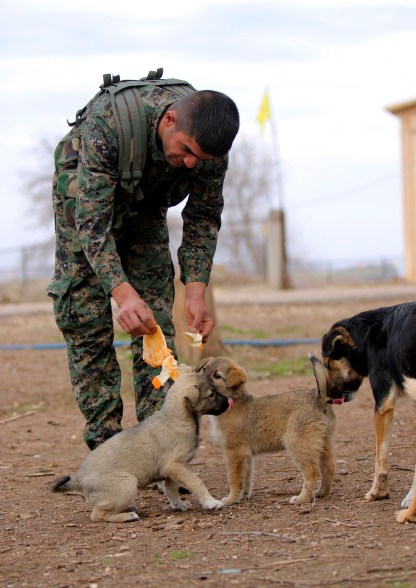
pixel 19 416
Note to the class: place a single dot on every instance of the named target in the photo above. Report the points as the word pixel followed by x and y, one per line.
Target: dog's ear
pixel 184 368
pixel 191 396
pixel 319 373
pixel 235 376
pixel 202 364
pixel 337 343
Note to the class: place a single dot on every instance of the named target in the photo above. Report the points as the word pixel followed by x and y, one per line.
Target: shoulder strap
pixel 131 126
pixel 130 119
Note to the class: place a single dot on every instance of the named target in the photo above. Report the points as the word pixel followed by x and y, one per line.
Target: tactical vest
pixel 129 114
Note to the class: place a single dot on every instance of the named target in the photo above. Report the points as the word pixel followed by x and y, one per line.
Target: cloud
pixel 251 31
pixel 332 66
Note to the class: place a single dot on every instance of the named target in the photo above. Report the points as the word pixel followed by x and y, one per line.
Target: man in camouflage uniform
pixel 112 244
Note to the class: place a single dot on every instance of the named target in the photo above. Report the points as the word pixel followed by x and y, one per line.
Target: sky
pixel 331 68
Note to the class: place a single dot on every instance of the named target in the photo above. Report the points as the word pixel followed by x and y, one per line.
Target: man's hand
pixel 135 316
pixel 196 311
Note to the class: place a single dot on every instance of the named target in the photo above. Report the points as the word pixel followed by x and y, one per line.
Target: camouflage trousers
pixel 83 314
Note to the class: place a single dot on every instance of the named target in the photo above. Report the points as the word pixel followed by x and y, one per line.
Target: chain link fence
pixel 27 262
pixel 35 262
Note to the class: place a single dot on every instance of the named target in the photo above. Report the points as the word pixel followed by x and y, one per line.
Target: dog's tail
pixel 64 484
pixel 320 377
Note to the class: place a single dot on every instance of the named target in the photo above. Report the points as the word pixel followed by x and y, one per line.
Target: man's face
pixel 180 150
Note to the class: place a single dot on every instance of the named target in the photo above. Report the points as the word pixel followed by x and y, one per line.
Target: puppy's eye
pixel 217 376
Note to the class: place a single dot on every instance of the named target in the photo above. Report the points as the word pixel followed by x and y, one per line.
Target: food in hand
pixel 157 354
pixel 194 339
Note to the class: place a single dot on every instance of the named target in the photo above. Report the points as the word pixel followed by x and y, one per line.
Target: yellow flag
pixel 264 113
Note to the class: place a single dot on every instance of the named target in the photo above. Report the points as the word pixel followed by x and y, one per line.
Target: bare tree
pixel 247 195
pixel 37 184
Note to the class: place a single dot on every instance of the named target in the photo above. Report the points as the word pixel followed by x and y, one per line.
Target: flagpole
pixel 264 115
pixel 277 162
pixel 276 258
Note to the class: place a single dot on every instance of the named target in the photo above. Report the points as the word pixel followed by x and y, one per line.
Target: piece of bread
pixel 170 369
pixel 155 350
pixel 194 339
pixel 157 354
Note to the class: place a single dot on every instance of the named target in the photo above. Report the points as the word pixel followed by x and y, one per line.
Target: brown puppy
pixel 302 422
pixel 159 448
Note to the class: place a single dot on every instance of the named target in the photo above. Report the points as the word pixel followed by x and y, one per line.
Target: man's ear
pixel 170 118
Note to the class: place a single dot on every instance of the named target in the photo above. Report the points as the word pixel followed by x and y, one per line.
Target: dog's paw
pixel 400 516
pixel 380 488
pixel 229 500
pixel 403 516
pixel 407 500
pixel 132 509
pixel 300 501
pixel 182 505
pixel 375 495
pixel 133 516
pixel 129 516
pixel 212 504
pixel 178 504
pixel 159 486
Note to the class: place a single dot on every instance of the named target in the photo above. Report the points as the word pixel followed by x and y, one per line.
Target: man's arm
pixel 95 206
pixel 95 209
pixel 199 318
pixel 135 316
pixel 202 221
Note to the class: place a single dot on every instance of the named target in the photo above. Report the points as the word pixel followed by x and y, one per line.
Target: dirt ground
pixel 49 540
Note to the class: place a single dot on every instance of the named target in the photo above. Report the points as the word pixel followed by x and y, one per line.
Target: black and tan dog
pixel 379 344
pixel 302 422
pixel 159 448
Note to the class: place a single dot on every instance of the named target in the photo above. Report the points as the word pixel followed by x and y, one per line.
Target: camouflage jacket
pixel 104 212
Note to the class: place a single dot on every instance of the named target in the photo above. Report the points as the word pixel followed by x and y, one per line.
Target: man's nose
pixel 190 161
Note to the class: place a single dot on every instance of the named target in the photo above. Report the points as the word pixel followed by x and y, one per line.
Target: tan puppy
pixel 160 448
pixel 302 422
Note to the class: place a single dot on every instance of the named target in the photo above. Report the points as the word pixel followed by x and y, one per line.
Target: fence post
pixel 24 264
pixel 276 259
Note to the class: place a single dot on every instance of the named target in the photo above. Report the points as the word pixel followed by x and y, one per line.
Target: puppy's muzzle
pixel 336 400
pixel 221 405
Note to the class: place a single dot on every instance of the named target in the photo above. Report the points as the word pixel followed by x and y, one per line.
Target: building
pixel 407 114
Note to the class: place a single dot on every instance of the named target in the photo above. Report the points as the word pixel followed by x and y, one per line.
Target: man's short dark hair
pixel 209 117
